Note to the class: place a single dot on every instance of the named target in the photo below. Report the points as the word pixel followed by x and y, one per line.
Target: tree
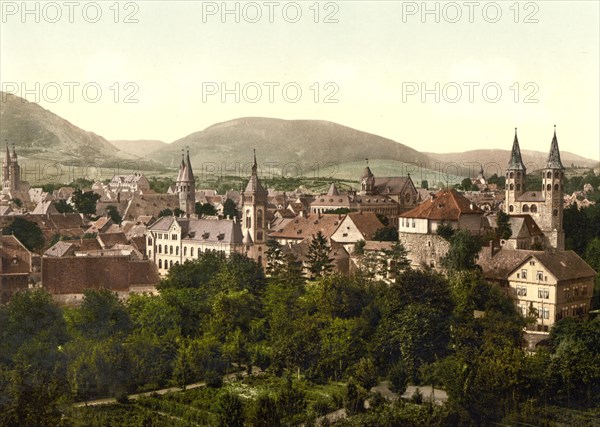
pixel 265 412
pixel 230 209
pixel 318 259
pixel 463 251
pixel 165 212
pixel 27 232
pixel 113 213
pixel 503 230
pixel 386 234
pixel 445 230
pixel 467 185
pixel 275 258
pixel 204 209
pixel 85 202
pixel 395 260
pixel 63 207
pixel 230 410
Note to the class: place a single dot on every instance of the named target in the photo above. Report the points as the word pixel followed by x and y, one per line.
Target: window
pixel 511 187
pixel 413 223
pixel 192 251
pixel 539 275
pixel 170 263
pixel 523 274
pixel 160 263
pixel 522 291
pixel 544 313
pixel 149 241
pixel 525 208
pixel 555 186
pixel 248 219
pixel 512 175
pixel 173 236
pixel 176 250
pixel 548 187
pixel 160 249
pixel 533 208
pixel 259 219
pixel 511 208
pixel 543 293
pixel 185 251
pixel 171 250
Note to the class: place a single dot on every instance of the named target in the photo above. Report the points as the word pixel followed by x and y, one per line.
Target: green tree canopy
pixel 27 232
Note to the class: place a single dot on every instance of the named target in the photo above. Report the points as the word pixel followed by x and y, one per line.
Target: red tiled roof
pixel 446 205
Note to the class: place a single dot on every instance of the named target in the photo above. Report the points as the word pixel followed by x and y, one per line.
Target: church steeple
pixel 186 185
pixel 254 208
pixel 516 162
pixel 554 155
pixel 367 180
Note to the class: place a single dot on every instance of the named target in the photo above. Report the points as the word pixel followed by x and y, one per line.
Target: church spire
pixel 254 166
pixel 554 155
pixel 516 162
pixel 189 173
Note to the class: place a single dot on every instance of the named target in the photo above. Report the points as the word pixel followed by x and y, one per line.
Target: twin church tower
pixel 545 206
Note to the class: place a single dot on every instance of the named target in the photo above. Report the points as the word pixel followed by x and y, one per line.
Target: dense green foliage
pixel 27 232
pixel 324 344
pixel 85 201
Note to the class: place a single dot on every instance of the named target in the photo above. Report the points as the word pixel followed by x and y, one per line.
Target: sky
pixel 436 76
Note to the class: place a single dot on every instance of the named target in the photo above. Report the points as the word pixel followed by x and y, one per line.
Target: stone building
pixel 172 240
pixel 186 186
pixel 16 267
pixel 254 217
pixel 544 205
pixel 418 227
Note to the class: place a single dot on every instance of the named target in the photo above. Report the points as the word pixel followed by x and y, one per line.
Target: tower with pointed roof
pixel 6 169
pixel 515 176
pixel 552 180
pixel 254 209
pixel 11 171
pixel 545 206
pixel 367 181
pixel 186 185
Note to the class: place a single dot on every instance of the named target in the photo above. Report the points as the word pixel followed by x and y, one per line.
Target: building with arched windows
pixel 544 205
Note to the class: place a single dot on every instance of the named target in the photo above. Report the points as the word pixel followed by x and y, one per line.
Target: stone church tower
pixel 367 181
pixel 551 221
pixel 11 171
pixel 254 221
pixel 544 205
pixel 515 176
pixel 186 185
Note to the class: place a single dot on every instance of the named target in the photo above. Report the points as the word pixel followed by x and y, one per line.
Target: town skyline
pixel 381 77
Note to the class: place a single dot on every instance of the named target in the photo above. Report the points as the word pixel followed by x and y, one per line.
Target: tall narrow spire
pixel 254 166
pixel 516 162
pixel 554 155
pixel 14 154
pixel 189 173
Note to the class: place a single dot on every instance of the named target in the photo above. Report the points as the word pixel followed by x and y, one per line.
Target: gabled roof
pixel 531 196
pixel 446 205
pixel 305 227
pixel 502 263
pixel 392 184
pixel 366 222
pixel 108 240
pixel 564 265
